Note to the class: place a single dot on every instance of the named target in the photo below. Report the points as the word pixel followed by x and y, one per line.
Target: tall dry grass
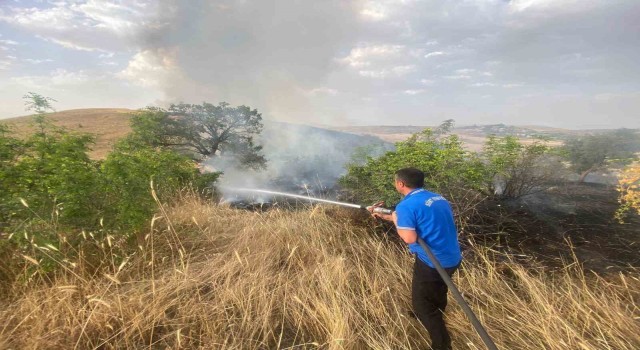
pixel 214 277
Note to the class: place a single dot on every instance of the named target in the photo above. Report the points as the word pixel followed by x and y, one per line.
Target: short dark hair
pixel 412 177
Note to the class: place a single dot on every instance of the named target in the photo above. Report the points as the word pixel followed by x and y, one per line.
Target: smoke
pixel 300 159
pixel 266 54
pixel 270 55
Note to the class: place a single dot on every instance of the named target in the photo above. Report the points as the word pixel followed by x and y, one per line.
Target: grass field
pixel 208 276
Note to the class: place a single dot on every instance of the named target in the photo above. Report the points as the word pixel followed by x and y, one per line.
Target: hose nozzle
pixel 381 210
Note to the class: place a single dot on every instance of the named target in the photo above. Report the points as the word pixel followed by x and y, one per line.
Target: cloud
pixel 427 82
pixel 458 76
pixel 366 55
pixel 397 71
pixel 87 25
pixel 5 64
pixel 414 92
pixel 323 91
pixel 60 78
pixel 151 68
pixel 434 54
pixel 483 84
pixel 283 56
pixel 74 89
pixel 9 42
pixel 36 60
pixel 380 10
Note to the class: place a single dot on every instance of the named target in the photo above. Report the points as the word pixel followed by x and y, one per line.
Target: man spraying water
pixel 426 215
pixel 424 220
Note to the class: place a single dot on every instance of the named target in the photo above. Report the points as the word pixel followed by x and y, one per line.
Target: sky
pixel 559 63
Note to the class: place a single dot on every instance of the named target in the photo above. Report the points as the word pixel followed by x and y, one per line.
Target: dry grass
pixel 108 125
pixel 214 277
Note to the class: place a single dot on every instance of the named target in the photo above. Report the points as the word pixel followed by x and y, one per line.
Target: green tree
pixel 38 103
pixel 600 151
pixel 514 169
pixel 203 131
pixel 449 168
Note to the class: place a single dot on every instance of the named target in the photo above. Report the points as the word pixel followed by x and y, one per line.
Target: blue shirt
pixel 430 215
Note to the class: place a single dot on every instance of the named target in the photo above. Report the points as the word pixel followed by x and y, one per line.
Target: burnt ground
pixel 567 219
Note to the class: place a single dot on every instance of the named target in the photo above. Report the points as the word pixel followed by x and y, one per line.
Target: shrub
pixel 52 172
pixel 449 170
pixel 514 169
pixel 127 174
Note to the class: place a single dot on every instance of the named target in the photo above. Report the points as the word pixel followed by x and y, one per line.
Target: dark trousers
pixel 429 298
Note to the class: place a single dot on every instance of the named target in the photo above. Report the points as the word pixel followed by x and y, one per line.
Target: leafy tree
pixel 50 188
pixel 514 169
pixel 596 152
pixel 445 127
pixel 203 131
pixel 449 168
pixel 38 103
pixel 362 154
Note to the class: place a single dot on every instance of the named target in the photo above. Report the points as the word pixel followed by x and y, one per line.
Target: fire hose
pixel 488 342
pixel 486 339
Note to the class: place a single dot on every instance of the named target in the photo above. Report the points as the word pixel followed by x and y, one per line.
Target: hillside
pixel 107 124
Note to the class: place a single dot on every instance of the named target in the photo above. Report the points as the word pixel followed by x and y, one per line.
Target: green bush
pixel 514 169
pixel 449 168
pixel 51 173
pixel 54 196
pixel 10 150
pixel 127 175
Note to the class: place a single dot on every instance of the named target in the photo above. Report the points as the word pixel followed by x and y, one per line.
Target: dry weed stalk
pixel 304 279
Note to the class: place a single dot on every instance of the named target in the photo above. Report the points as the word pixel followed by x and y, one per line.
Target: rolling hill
pixel 107 124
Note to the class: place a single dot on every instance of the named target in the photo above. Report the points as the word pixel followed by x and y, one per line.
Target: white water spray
pixel 254 190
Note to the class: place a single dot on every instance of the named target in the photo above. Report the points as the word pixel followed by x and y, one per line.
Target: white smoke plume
pixel 269 55
pixel 300 159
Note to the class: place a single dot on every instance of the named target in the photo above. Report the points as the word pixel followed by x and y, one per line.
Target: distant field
pixel 473 137
pixel 107 124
